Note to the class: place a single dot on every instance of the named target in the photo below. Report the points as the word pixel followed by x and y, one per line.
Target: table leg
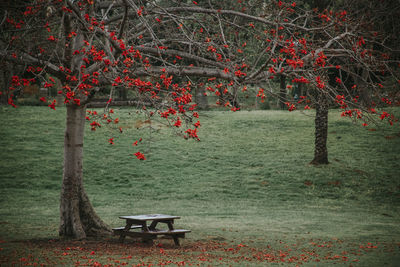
pixel 144 227
pixel 171 227
pixel 176 240
pixel 153 225
pixel 147 229
pixel 127 228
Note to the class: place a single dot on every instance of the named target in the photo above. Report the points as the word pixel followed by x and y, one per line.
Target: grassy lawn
pixel 245 190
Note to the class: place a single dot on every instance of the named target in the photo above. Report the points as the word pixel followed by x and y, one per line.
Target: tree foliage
pixel 149 46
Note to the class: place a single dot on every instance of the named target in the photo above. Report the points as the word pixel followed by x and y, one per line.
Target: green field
pixel 245 190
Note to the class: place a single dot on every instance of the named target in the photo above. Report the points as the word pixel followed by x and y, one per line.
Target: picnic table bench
pixel 149 232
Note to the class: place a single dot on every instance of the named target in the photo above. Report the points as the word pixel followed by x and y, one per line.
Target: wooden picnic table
pixel 136 226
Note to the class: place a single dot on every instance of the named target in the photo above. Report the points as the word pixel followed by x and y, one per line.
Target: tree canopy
pixel 147 46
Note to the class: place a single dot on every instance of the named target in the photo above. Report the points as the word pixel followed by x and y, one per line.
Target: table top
pixel 149 217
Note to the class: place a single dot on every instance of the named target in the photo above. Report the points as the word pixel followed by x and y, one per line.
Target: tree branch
pixel 171 52
pixel 24 59
pixel 189 71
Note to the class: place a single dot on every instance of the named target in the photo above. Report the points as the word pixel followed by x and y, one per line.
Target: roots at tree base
pixel 77 216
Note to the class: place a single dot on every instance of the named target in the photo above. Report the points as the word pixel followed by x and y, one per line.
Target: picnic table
pixel 137 226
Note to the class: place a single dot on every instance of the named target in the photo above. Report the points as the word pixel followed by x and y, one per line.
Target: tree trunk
pixel 300 89
pixel 123 94
pixel 321 130
pixel 5 78
pixel 201 99
pixel 77 216
pixel 321 115
pixel 365 96
pixel 282 92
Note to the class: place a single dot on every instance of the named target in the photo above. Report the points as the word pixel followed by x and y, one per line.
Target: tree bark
pixel 123 94
pixel 365 95
pixel 282 92
pixel 77 216
pixel 321 130
pixel 4 83
pixel 201 99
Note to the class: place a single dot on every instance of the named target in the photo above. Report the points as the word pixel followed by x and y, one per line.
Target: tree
pixel 76 42
pixel 155 48
pixel 360 73
pixel 321 107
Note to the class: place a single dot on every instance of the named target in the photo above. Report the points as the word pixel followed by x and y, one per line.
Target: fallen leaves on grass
pixel 210 253
pixel 308 183
pixel 334 183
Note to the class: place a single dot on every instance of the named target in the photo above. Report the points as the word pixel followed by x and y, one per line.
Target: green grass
pixel 247 181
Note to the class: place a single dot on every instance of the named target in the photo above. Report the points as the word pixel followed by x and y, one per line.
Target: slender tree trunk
pixel 321 130
pixel 233 98
pixel 300 90
pixel 77 216
pixel 123 94
pixel 5 78
pixel 282 92
pixel 201 99
pixel 365 96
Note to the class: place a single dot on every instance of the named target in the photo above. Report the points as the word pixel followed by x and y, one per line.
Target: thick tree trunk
pixel 77 216
pixel 321 130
